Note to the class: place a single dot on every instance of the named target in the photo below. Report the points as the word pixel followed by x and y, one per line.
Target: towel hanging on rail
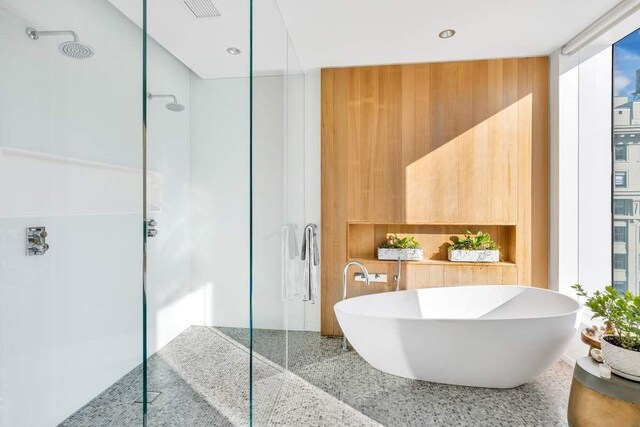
pixel 311 258
pixel 291 267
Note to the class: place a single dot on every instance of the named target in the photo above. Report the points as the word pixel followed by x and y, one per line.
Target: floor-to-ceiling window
pixel 626 163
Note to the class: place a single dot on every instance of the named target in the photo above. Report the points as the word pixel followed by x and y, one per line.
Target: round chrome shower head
pixel 171 106
pixel 76 50
pixel 174 106
pixel 72 49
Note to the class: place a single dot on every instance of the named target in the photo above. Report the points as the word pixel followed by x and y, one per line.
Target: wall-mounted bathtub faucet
pixel 345 344
pixel 398 276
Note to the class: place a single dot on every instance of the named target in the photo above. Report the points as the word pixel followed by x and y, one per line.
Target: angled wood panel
pixel 462 143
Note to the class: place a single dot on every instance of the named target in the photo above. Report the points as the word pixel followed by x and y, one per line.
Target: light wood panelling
pixel 420 146
pixel 539 229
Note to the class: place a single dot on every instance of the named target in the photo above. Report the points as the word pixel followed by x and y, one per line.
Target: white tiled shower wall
pixel 71 320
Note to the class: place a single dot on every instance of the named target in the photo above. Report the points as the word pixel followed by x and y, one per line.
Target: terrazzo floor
pixel 202 378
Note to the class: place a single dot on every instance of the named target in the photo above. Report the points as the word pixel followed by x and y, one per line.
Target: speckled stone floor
pixel 202 377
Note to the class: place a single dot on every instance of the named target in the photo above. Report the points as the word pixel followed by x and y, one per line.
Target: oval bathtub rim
pixel 464 319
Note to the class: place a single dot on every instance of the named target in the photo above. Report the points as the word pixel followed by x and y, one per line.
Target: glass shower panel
pixel 198 194
pixel 295 297
pixel 269 201
pixel 70 213
pixel 278 215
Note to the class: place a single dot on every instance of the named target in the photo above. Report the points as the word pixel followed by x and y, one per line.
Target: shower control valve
pixel 152 231
pixel 36 241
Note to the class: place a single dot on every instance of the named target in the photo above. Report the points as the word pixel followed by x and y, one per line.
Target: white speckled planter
pixel 403 254
pixel 474 256
pixel 621 359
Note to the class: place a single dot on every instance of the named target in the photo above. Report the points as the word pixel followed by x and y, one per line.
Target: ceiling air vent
pixel 202 8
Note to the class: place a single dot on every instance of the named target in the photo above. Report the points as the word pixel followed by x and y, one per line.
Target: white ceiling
pixel 328 33
pixel 331 33
pixel 201 44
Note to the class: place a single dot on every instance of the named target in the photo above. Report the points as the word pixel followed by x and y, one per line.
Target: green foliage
pixel 394 242
pixel 621 310
pixel 479 242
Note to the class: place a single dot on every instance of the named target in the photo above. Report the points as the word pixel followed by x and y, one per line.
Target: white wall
pixel 580 181
pixel 174 301
pixel 286 167
pixel 581 169
pixel 71 319
pixel 220 197
pixel 312 195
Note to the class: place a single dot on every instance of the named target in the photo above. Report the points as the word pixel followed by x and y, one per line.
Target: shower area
pixel 157 172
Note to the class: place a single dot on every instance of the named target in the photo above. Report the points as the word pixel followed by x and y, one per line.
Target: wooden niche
pixel 434 150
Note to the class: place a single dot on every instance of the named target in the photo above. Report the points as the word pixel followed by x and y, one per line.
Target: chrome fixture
pixel 373 277
pixel 36 241
pixel 447 34
pixel 72 49
pixel 171 106
pixel 398 276
pixel 233 51
pixel 151 225
pixel 345 344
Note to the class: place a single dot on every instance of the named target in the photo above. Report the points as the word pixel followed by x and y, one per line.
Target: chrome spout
pixel 345 343
pixel 398 276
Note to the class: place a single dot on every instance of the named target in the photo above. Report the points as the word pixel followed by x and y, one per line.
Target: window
pixel 620 179
pixel 622 206
pixel 620 153
pixel 620 234
pixel 620 286
pixel 625 144
pixel 620 261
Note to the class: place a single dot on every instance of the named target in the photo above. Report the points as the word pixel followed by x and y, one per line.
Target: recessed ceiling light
pixel 233 51
pixel 447 34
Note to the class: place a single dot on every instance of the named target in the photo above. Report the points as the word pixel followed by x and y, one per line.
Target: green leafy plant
pixel 395 242
pixel 480 242
pixel 621 311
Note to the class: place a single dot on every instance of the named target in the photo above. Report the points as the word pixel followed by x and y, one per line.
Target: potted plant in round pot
pixel 405 248
pixel 479 248
pixel 621 349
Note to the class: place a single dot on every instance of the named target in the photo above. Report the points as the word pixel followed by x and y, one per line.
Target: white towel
pixel 291 268
pixel 311 258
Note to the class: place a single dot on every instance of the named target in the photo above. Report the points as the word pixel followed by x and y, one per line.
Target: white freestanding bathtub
pixel 482 336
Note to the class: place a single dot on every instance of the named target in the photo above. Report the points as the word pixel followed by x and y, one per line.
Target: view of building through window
pixel 626 163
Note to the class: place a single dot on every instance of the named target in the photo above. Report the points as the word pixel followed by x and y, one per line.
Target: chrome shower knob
pixel 151 227
pixel 36 241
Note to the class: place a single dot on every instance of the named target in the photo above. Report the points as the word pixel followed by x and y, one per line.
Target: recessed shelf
pixel 439 224
pixel 363 239
pixel 439 262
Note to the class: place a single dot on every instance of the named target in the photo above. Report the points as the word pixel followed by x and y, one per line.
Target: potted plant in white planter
pixel 479 248
pixel 406 249
pixel 620 350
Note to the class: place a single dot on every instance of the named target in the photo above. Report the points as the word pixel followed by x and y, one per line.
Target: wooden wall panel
pixel 539 233
pixel 460 143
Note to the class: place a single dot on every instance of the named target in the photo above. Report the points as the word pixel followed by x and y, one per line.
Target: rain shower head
pixel 174 106
pixel 171 106
pixel 75 49
pixel 71 49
